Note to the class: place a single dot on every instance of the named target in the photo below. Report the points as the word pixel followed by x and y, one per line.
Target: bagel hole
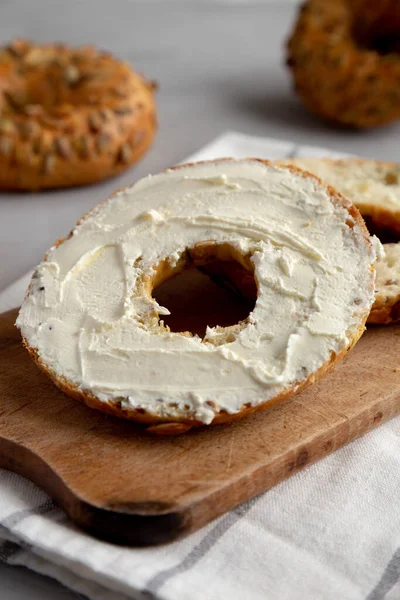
pixel 386 44
pixel 208 292
pixel 379 32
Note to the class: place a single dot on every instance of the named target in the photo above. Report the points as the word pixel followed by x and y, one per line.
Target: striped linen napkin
pixel 330 532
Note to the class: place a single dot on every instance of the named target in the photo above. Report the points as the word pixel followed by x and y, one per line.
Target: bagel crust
pixel 69 116
pixel 337 73
pixel 115 354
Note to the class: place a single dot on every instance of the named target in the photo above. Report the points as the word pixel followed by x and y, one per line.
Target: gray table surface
pixel 220 66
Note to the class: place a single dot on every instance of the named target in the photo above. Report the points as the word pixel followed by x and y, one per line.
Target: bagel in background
pixel 345 62
pixel 374 187
pixel 69 116
pixel 386 308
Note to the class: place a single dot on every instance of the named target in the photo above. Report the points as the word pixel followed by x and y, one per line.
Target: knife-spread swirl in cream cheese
pixel 90 322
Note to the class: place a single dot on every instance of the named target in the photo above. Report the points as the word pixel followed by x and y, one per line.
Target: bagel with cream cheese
pixel 90 321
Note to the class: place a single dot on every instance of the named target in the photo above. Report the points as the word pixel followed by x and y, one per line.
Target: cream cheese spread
pixel 88 319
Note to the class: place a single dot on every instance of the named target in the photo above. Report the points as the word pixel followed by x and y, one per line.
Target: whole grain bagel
pixel 90 322
pixel 69 116
pixel 374 187
pixel 386 308
pixel 344 57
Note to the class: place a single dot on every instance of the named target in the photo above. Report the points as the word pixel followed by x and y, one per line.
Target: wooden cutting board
pixel 119 483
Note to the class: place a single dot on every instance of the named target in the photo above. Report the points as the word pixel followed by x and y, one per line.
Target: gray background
pixel 220 65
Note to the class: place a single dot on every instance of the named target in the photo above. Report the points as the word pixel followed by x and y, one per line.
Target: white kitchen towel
pixel 331 532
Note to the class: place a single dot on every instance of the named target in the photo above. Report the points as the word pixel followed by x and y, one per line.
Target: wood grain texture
pixel 121 484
